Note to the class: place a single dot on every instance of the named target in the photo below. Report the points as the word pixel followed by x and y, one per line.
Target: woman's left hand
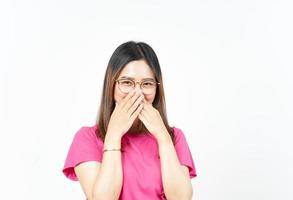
pixel 152 120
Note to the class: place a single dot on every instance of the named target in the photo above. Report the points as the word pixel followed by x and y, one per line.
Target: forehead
pixel 137 69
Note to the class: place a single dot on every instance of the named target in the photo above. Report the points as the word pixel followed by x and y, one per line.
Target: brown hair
pixel 125 53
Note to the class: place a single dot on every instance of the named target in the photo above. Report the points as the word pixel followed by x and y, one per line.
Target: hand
pixel 125 113
pixel 152 120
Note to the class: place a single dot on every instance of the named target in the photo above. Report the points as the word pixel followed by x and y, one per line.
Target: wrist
pixel 112 141
pixel 164 138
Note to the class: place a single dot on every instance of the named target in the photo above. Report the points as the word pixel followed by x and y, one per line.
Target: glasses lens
pixel 148 87
pixel 126 85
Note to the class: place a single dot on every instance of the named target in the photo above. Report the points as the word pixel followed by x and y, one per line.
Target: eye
pixel 126 82
pixel 148 84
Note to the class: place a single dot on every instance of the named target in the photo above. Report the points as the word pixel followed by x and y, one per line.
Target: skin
pixel 139 70
pixel 104 180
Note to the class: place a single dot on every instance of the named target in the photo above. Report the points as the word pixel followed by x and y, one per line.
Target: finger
pixel 135 105
pixel 147 104
pixel 126 98
pixel 148 107
pixel 116 106
pixel 131 101
pixel 144 114
pixel 143 119
pixel 136 112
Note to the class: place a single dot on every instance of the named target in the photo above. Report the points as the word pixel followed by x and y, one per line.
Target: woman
pixel 132 153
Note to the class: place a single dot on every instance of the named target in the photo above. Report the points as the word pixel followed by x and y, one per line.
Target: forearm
pixel 175 183
pixel 109 181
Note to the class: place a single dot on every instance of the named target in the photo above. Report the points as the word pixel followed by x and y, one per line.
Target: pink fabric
pixel 140 161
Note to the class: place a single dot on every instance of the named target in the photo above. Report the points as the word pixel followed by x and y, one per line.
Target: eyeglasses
pixel 147 86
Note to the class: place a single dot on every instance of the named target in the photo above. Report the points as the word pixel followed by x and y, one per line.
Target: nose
pixel 138 89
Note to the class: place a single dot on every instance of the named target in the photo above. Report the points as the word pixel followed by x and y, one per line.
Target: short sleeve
pixel 86 146
pixel 183 152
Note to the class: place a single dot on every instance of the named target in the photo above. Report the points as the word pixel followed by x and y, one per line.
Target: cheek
pixel 118 95
pixel 150 98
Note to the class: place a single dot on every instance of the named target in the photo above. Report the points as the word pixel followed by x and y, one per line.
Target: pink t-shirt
pixel 140 161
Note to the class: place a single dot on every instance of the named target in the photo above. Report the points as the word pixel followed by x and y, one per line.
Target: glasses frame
pixel 135 82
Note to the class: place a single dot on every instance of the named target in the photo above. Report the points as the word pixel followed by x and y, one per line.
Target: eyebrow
pixel 127 77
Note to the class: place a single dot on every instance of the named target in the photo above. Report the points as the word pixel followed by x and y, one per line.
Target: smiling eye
pixel 148 84
pixel 126 83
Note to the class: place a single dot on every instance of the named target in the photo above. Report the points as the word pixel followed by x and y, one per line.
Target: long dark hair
pixel 125 53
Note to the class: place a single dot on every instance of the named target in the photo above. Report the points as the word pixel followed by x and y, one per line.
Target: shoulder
pixel 180 136
pixel 87 133
pixel 178 133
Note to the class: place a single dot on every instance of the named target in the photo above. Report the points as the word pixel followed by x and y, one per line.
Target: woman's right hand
pixel 125 113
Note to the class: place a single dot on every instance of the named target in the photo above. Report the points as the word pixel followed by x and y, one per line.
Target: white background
pixel 227 70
